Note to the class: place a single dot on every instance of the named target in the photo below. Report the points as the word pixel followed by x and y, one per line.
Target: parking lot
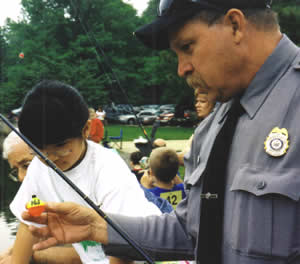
pixel 168 114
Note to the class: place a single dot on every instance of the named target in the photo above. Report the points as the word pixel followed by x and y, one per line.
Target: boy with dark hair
pixel 160 178
pixel 136 168
pixel 55 118
pixel 135 158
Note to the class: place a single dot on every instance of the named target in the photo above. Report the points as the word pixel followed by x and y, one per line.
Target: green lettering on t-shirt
pixel 88 243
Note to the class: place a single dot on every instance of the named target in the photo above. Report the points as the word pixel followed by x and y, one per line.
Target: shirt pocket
pixel 266 212
pixel 193 211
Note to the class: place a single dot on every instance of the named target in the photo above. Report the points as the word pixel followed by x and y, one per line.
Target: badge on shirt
pixel 277 142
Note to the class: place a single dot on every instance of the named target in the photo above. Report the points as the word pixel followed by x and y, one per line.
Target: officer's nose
pixel 184 67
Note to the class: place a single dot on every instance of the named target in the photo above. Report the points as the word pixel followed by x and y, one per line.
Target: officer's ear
pixel 236 20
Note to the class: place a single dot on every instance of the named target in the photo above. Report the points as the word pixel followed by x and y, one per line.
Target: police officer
pixel 231 47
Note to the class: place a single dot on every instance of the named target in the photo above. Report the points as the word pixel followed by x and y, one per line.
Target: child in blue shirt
pixel 159 179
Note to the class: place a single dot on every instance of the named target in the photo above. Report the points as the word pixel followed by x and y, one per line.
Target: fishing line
pixel 95 44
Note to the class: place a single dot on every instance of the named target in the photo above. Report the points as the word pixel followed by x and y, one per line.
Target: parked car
pixel 112 116
pixel 137 109
pixel 126 108
pixel 167 107
pixel 148 117
pixel 165 117
pixel 150 107
pixel 129 119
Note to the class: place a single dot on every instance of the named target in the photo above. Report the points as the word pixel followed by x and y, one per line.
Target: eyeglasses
pixel 57 153
pixel 62 150
pixel 166 6
pixel 13 175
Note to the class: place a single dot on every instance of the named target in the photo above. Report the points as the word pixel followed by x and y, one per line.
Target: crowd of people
pixel 158 176
pixel 19 155
pixel 240 201
pixel 99 172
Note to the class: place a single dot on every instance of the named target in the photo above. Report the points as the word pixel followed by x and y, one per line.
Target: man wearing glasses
pixel 242 177
pixel 18 155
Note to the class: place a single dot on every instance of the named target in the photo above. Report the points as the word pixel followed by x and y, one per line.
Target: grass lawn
pixel 131 132
pixel 166 132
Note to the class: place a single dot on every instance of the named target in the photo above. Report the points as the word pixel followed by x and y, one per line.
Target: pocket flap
pixel 258 181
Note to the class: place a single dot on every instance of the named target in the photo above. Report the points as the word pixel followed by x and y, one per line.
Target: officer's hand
pixel 67 223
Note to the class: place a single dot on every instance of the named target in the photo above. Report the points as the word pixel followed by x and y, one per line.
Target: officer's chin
pixel 223 98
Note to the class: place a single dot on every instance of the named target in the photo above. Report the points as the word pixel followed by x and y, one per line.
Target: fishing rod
pixel 77 190
pixel 92 39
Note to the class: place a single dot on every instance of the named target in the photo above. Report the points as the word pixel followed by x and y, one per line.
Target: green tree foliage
pixel 160 71
pixel 86 43
pixel 150 13
pixel 89 44
pixel 289 18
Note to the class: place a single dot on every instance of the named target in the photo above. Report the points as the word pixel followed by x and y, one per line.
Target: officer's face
pixel 208 57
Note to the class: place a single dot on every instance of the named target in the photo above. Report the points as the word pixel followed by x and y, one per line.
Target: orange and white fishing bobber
pixel 35 206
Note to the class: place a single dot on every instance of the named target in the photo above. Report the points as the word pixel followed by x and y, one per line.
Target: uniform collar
pixel 265 79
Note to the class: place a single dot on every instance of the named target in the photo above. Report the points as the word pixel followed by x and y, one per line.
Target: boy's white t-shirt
pixel 103 176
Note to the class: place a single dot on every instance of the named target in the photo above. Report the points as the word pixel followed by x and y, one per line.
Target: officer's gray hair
pixel 9 142
pixel 262 19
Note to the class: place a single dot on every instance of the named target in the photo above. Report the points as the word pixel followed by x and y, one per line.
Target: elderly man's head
pixel 216 41
pixel 159 142
pixel 18 154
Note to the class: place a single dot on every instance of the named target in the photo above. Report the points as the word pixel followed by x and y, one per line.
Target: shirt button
pixel 261 185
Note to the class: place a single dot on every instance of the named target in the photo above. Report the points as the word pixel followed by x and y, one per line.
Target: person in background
pixel 19 155
pixel 160 178
pixel 55 118
pixel 205 104
pixel 101 114
pixel 97 128
pixel 134 160
pixel 159 142
pixel 136 168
